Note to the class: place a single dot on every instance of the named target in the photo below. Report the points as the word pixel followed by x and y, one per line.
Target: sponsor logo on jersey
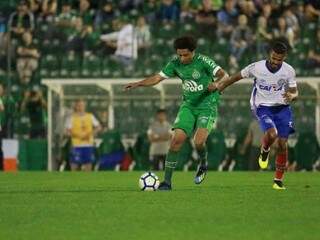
pixel 196 74
pixel 207 60
pixel 272 87
pixel 192 86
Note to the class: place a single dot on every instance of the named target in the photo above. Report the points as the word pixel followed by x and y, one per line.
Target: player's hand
pixel 130 86
pixel 213 87
pixel 288 97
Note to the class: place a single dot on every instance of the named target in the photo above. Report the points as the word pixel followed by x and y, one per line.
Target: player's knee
pixel 199 143
pixel 176 144
pixel 273 135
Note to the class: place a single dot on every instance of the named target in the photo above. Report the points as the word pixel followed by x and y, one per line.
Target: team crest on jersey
pixel 192 86
pixel 282 82
pixel 195 74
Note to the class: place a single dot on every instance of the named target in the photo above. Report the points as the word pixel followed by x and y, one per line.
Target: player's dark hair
pixel 279 47
pixel 186 42
pixel 161 110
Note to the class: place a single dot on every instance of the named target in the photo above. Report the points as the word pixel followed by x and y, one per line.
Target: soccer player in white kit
pixel 273 90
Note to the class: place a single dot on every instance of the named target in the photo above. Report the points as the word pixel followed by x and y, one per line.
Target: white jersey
pixel 269 87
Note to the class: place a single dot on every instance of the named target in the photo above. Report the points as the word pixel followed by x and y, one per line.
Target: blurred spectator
pixel 227 18
pixel 104 18
pixel 65 22
pixel 3 43
pixel 1 121
pixel 126 42
pixel 206 14
pixel 27 58
pixel 82 127
pixel 262 36
pixel 128 5
pixel 312 10
pixel 169 11
pixel 241 40
pixel 104 120
pixel 283 31
pixel 266 12
pixel 49 9
pixel 21 20
pixel 313 58
pixel 159 136
pixel 189 8
pixel 143 35
pixel 35 8
pixel 150 9
pixel 86 13
pixel 252 142
pixel 35 105
pixel 75 39
pixel 291 20
pixel 248 8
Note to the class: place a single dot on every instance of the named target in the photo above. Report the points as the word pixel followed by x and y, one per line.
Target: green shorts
pixel 189 119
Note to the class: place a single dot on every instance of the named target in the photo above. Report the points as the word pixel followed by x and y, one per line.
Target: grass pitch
pixel 109 205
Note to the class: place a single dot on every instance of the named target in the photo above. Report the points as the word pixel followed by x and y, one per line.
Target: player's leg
pixel 183 127
pixel 179 136
pixel 74 167
pixel 284 123
pixel 87 167
pixel 265 117
pixel 200 139
pixel 75 159
pixel 268 139
pixel 86 158
pixel 205 123
pixel 281 163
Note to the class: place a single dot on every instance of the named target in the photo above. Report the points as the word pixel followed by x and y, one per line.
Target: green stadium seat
pixel 70 66
pixel 91 66
pixel 49 66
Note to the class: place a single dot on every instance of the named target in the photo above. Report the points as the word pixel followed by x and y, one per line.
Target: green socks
pixel 170 164
pixel 203 155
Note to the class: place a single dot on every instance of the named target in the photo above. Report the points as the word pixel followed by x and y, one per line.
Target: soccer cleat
pixel 164 186
pixel 263 159
pixel 201 174
pixel 278 185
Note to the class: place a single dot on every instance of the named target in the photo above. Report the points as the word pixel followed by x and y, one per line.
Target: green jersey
pixel 195 76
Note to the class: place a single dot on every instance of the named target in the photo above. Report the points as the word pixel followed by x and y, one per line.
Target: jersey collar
pixel 272 70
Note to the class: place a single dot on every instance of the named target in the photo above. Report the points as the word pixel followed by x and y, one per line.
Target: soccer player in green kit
pixel 198 110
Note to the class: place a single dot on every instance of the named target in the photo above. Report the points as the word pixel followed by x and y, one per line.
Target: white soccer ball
pixel 149 182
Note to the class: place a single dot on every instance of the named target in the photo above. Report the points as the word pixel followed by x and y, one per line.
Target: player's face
pixel 276 59
pixel 185 55
pixel 162 117
pixel 80 106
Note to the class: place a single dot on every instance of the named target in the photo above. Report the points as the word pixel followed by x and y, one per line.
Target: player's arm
pixel 150 81
pixel 220 76
pixel 291 94
pixel 224 83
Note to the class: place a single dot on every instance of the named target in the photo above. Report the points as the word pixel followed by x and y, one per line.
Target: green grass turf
pixel 109 205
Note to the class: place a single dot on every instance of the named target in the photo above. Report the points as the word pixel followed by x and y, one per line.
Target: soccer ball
pixel 149 182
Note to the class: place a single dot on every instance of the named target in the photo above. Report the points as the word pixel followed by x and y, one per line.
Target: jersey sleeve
pixel 95 121
pixel 292 79
pixel 168 71
pixel 211 66
pixel 68 123
pixel 248 71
